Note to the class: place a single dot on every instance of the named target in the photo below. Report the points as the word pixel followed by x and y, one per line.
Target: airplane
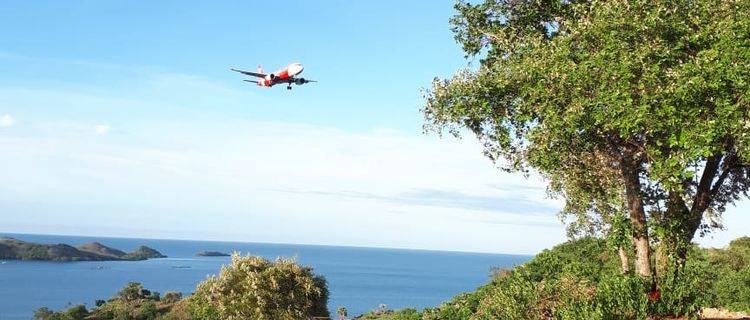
pixel 286 75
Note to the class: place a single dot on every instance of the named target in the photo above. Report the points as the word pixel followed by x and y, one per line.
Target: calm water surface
pixel 358 278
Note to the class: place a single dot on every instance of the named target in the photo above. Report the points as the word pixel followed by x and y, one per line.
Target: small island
pixel 212 254
pixel 14 249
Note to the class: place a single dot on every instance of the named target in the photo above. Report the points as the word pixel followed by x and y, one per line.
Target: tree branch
pixel 703 192
pixel 726 168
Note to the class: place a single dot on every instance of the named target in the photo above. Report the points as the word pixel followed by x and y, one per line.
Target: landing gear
pixel 289 87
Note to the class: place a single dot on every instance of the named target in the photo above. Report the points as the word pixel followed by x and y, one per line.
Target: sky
pixel 123 119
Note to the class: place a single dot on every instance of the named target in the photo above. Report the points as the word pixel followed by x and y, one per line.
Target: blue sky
pixel 119 119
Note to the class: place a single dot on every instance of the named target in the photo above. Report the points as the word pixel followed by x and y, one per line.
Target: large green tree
pixel 255 288
pixel 628 107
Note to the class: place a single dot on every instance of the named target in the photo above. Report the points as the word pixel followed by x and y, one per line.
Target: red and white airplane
pixel 286 75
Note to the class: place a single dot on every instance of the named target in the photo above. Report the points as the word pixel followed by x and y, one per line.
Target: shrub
pixel 405 314
pixel 342 312
pixel 132 291
pixel 515 296
pixel 587 257
pixel 460 307
pixel 621 297
pixel 685 290
pixel 172 297
pixel 43 313
pixel 733 290
pixel 255 288
pixel 178 311
pixel 78 312
pixel 147 311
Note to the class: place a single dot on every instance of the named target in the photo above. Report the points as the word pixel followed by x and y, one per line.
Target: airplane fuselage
pixel 283 75
pixel 288 75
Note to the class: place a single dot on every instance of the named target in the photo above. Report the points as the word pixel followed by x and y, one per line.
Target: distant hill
pixel 212 254
pixel 100 249
pixel 14 249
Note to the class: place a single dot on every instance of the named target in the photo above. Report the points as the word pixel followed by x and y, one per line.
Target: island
pixel 212 254
pixel 15 249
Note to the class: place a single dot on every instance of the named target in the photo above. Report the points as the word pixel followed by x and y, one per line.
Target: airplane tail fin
pixel 260 69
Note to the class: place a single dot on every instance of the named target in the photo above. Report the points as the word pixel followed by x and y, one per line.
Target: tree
pixel 43 313
pixel 78 312
pixel 255 288
pixel 342 312
pixel 172 297
pixel 133 291
pixel 625 106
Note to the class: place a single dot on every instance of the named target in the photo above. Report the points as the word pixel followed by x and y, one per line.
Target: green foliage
pixel 593 93
pixel 515 296
pixel 146 311
pixel 580 280
pixel 43 313
pixel 614 297
pixel 78 312
pixel 684 290
pixel 586 257
pixel 575 280
pixel 135 291
pixel 733 290
pixel 255 288
pixel 172 297
pixel 405 314
pixel 460 307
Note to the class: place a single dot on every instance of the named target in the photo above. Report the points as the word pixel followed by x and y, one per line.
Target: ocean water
pixel 358 278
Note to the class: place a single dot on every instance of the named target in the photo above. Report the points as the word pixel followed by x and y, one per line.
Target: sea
pixel 359 279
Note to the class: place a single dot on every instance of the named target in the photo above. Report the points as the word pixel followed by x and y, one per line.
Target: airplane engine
pixel 300 81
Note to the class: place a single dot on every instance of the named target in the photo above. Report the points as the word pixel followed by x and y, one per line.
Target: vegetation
pixel 255 288
pixel 249 288
pixel 632 108
pixel 581 279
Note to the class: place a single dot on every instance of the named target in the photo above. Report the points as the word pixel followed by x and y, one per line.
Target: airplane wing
pixel 253 74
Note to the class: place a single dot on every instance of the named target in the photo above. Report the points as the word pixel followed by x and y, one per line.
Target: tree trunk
pixel 676 241
pixel 623 260
pixel 637 217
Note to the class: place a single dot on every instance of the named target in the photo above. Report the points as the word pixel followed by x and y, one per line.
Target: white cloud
pixel 101 129
pixel 282 182
pixel 7 121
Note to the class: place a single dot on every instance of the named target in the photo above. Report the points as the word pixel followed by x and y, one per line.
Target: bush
pixel 460 307
pixel 733 290
pixel 686 290
pixel 172 297
pixel 178 311
pixel 43 313
pixel 405 314
pixel 255 288
pixel 515 296
pixel 147 311
pixel 78 312
pixel 620 297
pixel 587 257
pixel 133 291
